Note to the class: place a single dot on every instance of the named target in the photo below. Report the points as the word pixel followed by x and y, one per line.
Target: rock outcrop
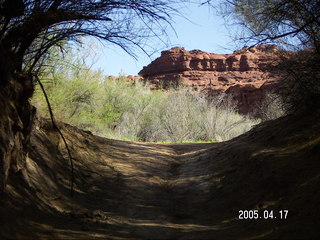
pixel 247 74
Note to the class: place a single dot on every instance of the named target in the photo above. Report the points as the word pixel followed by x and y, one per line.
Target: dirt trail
pixel 129 190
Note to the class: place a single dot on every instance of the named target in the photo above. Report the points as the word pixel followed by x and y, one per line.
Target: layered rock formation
pixel 247 74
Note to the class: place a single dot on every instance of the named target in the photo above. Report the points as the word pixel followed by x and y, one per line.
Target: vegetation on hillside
pixel 123 109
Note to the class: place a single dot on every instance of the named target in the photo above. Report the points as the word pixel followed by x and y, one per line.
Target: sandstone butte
pixel 248 74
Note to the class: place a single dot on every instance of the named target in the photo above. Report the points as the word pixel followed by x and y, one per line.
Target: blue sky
pixel 204 30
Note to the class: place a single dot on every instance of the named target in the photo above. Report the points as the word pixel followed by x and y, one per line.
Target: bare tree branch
pixel 55 126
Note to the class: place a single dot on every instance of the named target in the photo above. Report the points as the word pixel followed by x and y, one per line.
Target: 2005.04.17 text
pixel 265 214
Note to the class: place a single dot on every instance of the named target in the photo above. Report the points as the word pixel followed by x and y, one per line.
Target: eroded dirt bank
pixel 128 190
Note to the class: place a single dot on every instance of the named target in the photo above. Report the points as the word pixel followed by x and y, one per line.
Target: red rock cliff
pixel 246 74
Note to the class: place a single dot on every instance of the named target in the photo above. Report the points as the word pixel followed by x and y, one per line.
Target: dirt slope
pixel 128 190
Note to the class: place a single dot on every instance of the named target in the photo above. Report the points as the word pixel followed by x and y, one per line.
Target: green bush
pixel 122 109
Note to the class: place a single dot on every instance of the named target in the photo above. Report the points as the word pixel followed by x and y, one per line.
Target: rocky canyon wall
pixel 247 74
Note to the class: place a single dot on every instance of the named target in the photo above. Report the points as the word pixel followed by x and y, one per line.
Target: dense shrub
pixel 272 107
pixel 123 109
pixel 300 87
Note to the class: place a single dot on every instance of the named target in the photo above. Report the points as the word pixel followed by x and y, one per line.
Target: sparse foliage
pixel 29 28
pixel 278 20
pixel 300 87
pixel 272 107
pixel 295 25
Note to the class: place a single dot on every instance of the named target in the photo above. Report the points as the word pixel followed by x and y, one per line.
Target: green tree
pixel 30 28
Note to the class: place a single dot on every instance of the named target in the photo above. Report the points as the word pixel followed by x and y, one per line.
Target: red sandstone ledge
pixel 247 73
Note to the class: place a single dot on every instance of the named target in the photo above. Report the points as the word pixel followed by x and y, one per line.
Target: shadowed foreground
pixel 128 190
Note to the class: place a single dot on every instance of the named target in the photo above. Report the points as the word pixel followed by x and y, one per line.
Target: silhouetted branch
pixel 54 125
